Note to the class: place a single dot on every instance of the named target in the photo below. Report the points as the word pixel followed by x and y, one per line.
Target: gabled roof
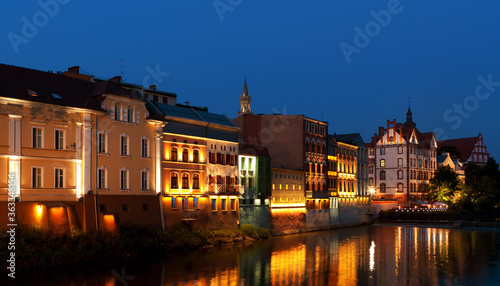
pixel 351 138
pixel 464 145
pixel 69 92
pixel 255 150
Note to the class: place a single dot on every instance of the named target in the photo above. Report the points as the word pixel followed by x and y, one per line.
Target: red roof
pixel 464 145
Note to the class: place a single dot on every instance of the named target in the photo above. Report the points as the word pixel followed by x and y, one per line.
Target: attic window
pixel 56 96
pixel 32 92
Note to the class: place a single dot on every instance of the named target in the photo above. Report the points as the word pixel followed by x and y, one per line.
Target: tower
pixel 409 117
pixel 245 101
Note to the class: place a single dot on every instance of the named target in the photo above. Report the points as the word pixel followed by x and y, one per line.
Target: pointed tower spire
pixel 245 101
pixel 409 117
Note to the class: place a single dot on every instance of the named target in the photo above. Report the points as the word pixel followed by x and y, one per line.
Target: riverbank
pixel 40 249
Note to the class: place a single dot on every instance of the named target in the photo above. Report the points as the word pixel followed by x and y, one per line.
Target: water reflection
pixel 375 255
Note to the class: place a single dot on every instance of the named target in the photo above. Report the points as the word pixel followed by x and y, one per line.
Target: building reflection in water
pixel 376 255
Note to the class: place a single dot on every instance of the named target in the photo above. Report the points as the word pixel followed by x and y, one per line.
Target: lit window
pixel 195 202
pixel 174 203
pixel 184 203
pixel 382 163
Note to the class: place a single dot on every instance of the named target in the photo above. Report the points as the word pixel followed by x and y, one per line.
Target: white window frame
pixel 63 147
pixel 104 135
pixel 127 145
pixel 145 187
pixel 127 179
pixel 34 180
pixel 130 111
pixel 41 136
pixel 63 186
pixel 102 170
pixel 147 153
pixel 118 112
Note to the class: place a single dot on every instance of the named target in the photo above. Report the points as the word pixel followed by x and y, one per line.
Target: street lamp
pixel 372 191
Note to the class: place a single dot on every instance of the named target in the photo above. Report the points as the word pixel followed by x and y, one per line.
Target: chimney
pixel 380 130
pixel 186 103
pixel 75 69
pixel 152 87
pixel 116 79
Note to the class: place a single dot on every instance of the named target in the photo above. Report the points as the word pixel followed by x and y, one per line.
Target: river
pixel 368 255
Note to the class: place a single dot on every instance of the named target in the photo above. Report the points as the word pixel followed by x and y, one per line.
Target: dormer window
pixel 32 92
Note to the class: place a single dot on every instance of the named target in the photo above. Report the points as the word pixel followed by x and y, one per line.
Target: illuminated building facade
pixel 200 167
pixel 402 160
pixel 255 177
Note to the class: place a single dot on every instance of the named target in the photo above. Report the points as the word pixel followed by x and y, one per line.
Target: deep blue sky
pixel 431 51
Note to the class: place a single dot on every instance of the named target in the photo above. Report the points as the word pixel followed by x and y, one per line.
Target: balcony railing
pixel 219 189
pixel 190 214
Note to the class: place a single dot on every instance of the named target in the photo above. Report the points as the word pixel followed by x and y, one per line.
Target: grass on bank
pixel 38 249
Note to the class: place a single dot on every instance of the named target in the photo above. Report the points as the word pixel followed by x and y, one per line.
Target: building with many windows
pixel 402 160
pixel 472 149
pixel 199 167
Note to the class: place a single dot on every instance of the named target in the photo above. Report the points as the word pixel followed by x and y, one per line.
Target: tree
pixel 482 187
pixel 452 149
pixel 444 185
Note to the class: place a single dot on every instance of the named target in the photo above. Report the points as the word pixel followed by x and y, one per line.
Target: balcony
pixel 190 214
pixel 220 189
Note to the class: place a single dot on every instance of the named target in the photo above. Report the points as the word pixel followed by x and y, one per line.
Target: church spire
pixel 245 101
pixel 409 117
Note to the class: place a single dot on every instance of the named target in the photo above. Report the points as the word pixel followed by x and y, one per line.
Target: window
pixel 223 204
pixel 145 207
pixel 196 181
pixel 144 180
pixel 185 181
pixel 400 149
pixel 174 203
pixel 124 144
pixel 37 137
pixel 173 154
pixel 124 182
pixel 185 155
pixel 118 112
pixel 184 203
pixel 174 181
pixel 130 114
pixel 126 207
pixel 212 158
pixel 382 188
pixel 250 183
pixel 196 156
pixel 59 178
pixel 37 177
pixel 145 148
pixel 103 140
pixel 103 208
pixel 420 163
pixel 400 162
pixel 195 202
pixel 370 169
pixel 382 151
pixel 370 181
pixel 382 175
pixel 213 204
pixel 233 204
pixel 400 174
pixel 102 180
pixel 155 98
pixel 382 163
pixel 59 140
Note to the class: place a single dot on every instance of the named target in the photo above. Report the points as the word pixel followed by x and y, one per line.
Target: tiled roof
pixel 464 145
pixel 193 113
pixel 50 88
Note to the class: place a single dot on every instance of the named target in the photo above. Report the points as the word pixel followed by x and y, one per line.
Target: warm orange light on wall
pixel 57 211
pixel 109 222
pixel 39 211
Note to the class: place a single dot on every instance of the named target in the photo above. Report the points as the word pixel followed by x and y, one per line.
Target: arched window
pixel 382 163
pixel 480 159
pixel 196 156
pixel 400 162
pixel 400 174
pixel 130 114
pixel 426 164
pixel 475 158
pixel 174 181
pixel 118 112
pixel 318 148
pixel 185 154
pixel 173 154
pixel 400 188
pixel 382 151
pixel 382 175
pixel 308 146
pixel 185 181
pixel 370 181
pixel 420 163
pixel 382 188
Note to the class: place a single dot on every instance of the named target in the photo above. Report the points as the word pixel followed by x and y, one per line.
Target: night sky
pixel 351 63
